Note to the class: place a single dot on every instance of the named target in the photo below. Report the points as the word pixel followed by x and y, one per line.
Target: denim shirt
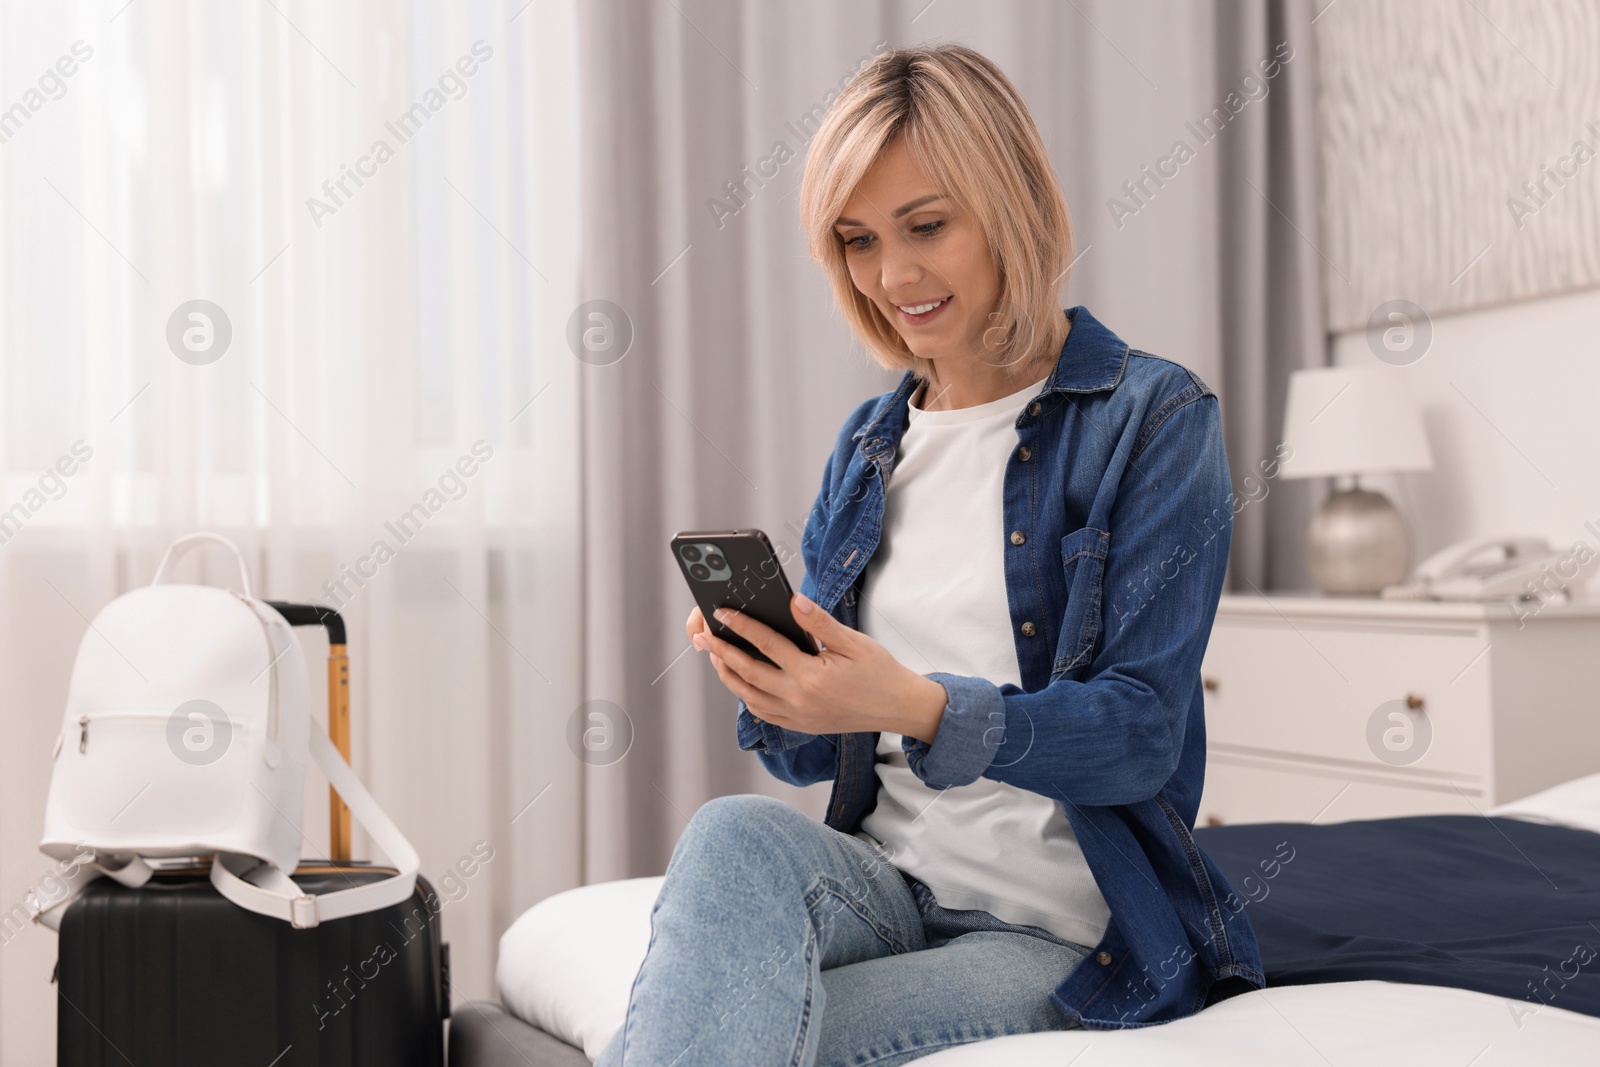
pixel 1118 512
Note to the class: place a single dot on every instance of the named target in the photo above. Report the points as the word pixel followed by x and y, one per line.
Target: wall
pixel 1508 395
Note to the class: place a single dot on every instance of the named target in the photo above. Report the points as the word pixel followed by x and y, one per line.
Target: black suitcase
pixel 175 975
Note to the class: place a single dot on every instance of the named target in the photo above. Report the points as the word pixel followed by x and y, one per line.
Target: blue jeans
pixel 777 940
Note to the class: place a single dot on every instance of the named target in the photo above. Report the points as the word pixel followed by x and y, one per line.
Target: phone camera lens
pixel 715 561
pixel 691 553
pixel 700 571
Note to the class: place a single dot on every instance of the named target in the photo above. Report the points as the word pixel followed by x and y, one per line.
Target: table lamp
pixel 1354 421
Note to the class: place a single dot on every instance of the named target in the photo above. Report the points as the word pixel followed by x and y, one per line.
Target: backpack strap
pixel 262 887
pixel 131 871
pixel 271 892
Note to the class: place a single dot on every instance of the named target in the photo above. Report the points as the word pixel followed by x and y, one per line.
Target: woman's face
pixel 909 246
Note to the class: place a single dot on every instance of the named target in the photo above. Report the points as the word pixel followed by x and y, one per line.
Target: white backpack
pixel 185 734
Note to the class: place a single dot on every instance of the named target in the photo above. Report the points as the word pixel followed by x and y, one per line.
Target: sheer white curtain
pixel 381 202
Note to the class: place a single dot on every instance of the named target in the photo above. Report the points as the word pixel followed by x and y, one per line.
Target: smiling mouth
pixel 919 313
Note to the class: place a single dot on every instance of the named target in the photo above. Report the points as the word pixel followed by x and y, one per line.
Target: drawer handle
pixel 1415 703
pixel 1208 683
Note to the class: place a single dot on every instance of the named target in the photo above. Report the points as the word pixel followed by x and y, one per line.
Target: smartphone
pixel 738 569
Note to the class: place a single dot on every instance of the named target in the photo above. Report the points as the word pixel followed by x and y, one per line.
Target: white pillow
pixel 567 964
pixel 1575 804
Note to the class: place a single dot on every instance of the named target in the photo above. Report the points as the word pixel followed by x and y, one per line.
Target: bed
pixel 1433 939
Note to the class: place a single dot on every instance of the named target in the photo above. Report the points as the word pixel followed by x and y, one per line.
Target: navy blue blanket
pixel 1495 905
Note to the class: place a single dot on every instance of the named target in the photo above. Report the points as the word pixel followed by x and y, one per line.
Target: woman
pixel 1009 699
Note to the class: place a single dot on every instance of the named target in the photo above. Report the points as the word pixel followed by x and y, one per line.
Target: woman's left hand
pixel 854 684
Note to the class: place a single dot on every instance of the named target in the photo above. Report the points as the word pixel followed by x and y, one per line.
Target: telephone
pixel 1493 569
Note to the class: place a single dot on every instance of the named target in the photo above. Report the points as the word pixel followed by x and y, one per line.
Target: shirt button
pixel 1023 453
pixel 1034 409
pixel 1018 537
pixel 1029 629
pixel 1103 959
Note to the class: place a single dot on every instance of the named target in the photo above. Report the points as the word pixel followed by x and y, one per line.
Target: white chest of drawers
pixel 1329 709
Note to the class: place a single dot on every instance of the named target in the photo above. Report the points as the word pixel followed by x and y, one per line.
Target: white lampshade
pixel 1353 420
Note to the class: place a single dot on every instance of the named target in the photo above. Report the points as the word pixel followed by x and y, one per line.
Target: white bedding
pixel 1575 804
pixel 567 966
pixel 1370 1024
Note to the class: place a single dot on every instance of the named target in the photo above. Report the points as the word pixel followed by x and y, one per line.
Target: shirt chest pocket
pixel 1083 562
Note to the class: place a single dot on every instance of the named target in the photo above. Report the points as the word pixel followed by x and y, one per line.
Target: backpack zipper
pixel 85 719
pixel 272 687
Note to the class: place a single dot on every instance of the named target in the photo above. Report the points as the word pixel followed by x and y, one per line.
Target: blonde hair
pixel 967 127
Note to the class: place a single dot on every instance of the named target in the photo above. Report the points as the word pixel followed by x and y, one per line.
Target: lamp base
pixel 1357 544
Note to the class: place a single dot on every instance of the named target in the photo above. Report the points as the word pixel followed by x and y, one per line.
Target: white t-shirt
pixel 934 595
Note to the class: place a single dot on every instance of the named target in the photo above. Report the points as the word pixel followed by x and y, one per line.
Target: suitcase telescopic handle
pixel 311 615
pixel 338 707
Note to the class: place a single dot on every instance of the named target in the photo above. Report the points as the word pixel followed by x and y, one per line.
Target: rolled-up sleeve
pixel 757 733
pixel 969 732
